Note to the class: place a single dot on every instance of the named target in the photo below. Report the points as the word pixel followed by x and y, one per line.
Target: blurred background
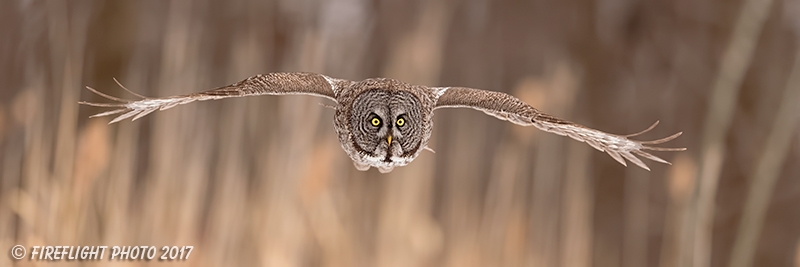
pixel 264 181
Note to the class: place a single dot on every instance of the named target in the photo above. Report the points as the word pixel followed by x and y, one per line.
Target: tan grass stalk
pixel 735 61
pixel 767 171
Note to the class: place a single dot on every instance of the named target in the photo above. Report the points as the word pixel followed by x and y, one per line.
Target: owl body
pixel 386 144
pixel 385 123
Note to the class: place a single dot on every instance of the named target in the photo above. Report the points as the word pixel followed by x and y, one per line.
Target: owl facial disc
pixel 387 127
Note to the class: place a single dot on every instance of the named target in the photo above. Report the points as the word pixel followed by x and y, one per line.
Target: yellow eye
pixel 376 121
pixel 401 122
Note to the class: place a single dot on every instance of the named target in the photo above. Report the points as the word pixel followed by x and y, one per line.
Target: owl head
pixel 384 124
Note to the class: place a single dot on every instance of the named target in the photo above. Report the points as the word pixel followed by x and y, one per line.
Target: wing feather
pixel 108 113
pixel 507 107
pixel 650 156
pixel 630 157
pixel 616 156
pixel 125 116
pixel 266 84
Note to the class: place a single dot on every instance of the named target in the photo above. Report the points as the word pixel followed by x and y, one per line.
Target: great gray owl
pixel 385 123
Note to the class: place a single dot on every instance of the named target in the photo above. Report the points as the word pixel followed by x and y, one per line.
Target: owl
pixel 385 123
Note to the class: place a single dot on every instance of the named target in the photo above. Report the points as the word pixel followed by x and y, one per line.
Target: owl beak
pixel 389 139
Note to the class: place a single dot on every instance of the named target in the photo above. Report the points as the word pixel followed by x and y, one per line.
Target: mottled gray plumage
pixel 385 123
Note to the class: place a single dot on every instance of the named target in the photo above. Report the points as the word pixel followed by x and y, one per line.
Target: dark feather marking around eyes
pixel 412 151
pixel 359 149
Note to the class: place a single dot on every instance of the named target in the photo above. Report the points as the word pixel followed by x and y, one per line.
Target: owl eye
pixel 401 122
pixel 376 122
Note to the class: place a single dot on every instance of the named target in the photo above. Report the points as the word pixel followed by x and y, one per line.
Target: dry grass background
pixel 263 180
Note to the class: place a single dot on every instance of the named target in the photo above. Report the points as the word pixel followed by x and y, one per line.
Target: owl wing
pixel 507 107
pixel 262 84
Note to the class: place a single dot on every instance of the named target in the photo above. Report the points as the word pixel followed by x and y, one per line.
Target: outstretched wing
pixel 263 84
pixel 507 107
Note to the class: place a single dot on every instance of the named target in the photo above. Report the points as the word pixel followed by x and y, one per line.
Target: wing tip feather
pixel 128 90
pixel 643 131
